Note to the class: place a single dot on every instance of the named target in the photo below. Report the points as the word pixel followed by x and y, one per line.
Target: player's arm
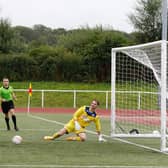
pixel 1 99
pixel 98 129
pixel 13 94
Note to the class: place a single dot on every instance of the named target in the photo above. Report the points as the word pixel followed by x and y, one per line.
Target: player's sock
pixel 75 138
pixel 7 123
pixel 56 135
pixel 14 122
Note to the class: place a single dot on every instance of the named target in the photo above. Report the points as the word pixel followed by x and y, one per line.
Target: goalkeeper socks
pixel 7 123
pixel 14 122
pixel 56 135
pixel 75 138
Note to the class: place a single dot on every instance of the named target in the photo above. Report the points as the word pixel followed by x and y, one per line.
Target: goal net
pixel 138 91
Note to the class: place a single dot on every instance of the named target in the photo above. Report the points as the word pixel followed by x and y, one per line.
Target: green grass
pixel 61 85
pixel 35 151
pixel 61 99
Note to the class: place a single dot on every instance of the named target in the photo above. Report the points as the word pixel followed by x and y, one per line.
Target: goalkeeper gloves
pixel 77 126
pixel 101 139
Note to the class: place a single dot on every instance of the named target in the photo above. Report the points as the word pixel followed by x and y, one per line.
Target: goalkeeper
pixel 81 119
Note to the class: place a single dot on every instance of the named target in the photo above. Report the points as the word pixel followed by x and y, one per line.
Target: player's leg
pixel 80 137
pixel 12 113
pixel 61 132
pixel 5 110
pixel 7 121
pixel 69 127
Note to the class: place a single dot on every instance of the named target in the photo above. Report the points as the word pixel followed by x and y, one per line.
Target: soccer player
pixel 81 119
pixel 6 97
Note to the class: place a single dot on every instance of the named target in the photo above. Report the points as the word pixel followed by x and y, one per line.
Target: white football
pixel 17 139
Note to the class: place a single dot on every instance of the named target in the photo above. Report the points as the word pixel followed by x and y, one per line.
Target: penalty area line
pixel 47 120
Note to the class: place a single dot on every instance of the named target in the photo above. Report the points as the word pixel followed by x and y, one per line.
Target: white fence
pixel 75 96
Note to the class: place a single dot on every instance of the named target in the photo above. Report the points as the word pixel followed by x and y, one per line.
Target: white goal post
pixel 139 68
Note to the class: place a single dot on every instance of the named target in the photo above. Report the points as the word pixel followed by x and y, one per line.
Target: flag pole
pixel 28 105
pixel 29 98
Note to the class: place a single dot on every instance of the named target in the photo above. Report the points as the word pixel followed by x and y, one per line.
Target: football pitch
pixel 35 152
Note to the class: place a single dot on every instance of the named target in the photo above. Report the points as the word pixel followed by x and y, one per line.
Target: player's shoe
pixel 16 128
pixel 48 138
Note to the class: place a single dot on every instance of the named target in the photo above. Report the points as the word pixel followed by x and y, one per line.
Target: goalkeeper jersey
pixel 84 116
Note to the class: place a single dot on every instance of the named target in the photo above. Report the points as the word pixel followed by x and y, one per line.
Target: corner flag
pixel 30 90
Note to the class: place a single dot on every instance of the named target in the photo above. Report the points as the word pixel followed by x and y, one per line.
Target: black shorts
pixel 6 106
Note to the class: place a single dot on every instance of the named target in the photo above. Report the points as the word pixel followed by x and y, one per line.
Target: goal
pixel 139 91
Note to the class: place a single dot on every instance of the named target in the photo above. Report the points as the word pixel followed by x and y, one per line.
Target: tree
pixel 46 36
pixel 93 46
pixel 26 33
pixel 6 35
pixel 147 20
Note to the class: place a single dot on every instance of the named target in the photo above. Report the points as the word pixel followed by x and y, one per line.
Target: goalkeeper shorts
pixel 70 127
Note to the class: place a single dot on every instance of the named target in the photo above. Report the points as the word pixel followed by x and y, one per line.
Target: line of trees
pixel 45 54
pixel 82 55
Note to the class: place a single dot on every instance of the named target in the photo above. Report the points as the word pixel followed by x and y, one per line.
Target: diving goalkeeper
pixel 81 119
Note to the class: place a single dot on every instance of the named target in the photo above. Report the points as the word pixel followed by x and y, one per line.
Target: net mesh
pixel 138 80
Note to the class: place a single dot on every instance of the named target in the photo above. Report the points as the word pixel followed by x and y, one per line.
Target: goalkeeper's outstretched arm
pixel 100 137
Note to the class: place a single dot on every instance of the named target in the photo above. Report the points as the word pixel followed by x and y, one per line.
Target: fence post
pixel 139 100
pixel 106 99
pixel 74 105
pixel 42 98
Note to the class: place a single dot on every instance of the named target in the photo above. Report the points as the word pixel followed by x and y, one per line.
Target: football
pixel 17 139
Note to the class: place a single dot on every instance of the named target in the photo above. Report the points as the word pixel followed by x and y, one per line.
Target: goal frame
pixel 163 91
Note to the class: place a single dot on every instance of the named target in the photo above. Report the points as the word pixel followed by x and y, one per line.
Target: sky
pixel 69 14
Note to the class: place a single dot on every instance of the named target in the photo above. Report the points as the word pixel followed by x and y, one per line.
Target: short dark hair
pixel 98 103
pixel 5 78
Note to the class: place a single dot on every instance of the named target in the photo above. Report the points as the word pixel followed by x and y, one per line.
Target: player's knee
pixel 83 139
pixel 12 112
pixel 62 132
pixel 6 115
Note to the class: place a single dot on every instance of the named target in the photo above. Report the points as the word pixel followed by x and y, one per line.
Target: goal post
pixel 139 91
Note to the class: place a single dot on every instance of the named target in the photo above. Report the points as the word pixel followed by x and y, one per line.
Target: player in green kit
pixel 6 96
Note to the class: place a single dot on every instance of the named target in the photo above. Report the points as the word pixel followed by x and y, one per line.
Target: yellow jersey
pixel 85 117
